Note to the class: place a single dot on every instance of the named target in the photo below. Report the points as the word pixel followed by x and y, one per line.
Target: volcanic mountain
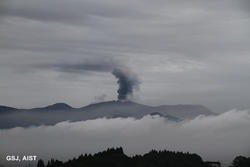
pixel 50 115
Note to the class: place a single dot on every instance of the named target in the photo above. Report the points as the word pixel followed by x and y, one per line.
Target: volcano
pixel 59 112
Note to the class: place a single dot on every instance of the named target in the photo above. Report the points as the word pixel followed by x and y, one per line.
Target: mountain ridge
pixel 65 106
pixel 59 112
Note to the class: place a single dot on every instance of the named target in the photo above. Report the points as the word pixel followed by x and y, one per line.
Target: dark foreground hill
pixel 50 115
pixel 241 161
pixel 117 158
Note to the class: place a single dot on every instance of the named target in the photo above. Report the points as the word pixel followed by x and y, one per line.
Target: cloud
pixel 127 80
pixel 219 137
pixel 183 51
pixel 92 65
pixel 100 98
pixel 63 11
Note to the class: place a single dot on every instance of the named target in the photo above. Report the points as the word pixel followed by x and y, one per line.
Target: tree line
pixel 115 157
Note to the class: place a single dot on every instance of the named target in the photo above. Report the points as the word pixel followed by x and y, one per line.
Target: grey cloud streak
pixel 127 80
pixel 68 12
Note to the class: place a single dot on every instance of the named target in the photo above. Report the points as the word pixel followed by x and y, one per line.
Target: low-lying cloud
pixel 219 137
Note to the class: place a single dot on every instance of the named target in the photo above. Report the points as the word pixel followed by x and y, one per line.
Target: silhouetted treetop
pixel 115 157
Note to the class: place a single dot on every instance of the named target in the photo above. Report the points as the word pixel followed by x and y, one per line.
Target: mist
pixel 215 138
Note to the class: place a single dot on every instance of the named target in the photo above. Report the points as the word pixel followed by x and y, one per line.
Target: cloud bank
pixel 219 137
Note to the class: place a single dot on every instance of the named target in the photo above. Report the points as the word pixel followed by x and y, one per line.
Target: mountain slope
pixel 6 109
pixel 125 109
pixel 50 115
pixel 184 111
pixel 55 107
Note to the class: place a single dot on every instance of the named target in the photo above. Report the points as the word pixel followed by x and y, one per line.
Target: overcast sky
pixel 191 52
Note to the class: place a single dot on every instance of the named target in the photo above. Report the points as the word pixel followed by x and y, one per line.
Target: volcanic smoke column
pixel 127 83
pixel 127 80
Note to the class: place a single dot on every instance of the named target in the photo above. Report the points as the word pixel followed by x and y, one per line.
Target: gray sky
pixel 194 52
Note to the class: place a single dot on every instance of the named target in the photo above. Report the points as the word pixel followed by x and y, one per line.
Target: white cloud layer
pixel 219 137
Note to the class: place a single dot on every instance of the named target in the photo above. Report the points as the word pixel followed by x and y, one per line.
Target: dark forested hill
pixel 241 161
pixel 116 158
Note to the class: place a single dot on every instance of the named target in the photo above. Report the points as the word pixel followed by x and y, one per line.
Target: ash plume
pixel 127 80
pixel 127 83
